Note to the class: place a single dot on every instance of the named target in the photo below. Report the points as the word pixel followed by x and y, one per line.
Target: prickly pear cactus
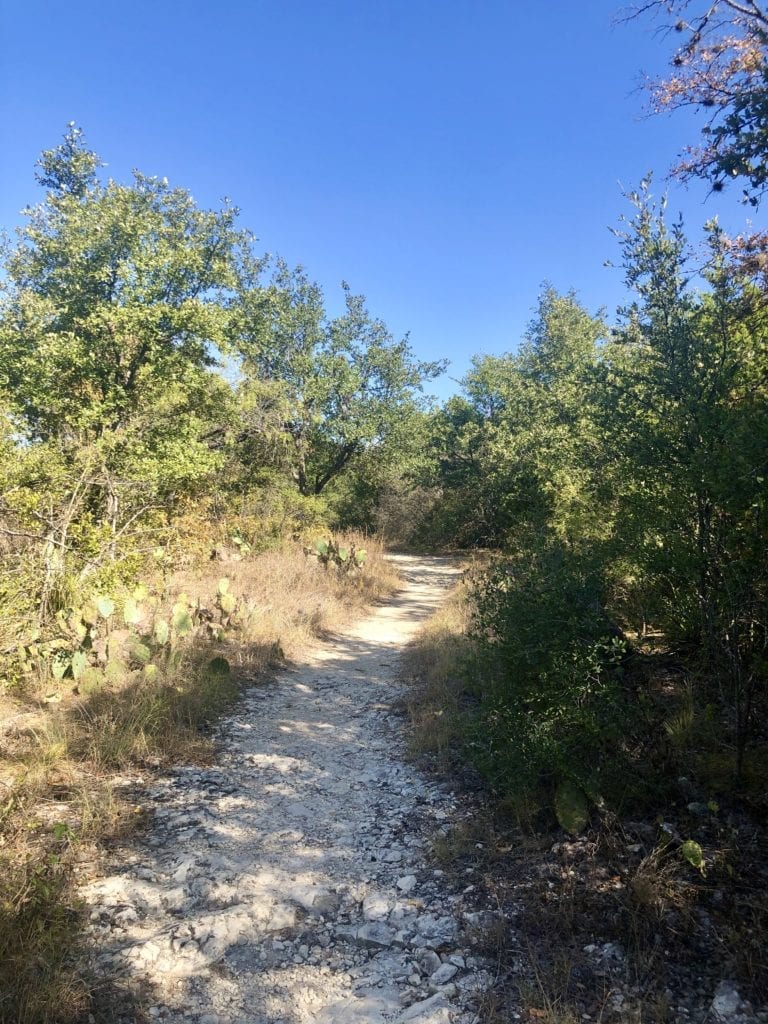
pixel 105 606
pixel 161 632
pixel 181 620
pixel 131 612
pixel 693 853
pixel 330 552
pixel 571 807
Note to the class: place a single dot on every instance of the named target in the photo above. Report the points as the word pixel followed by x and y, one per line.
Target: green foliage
pixel 162 632
pixel 115 295
pixel 123 450
pixel 571 807
pixel 219 666
pixel 140 653
pixel 330 553
pixel 181 620
pixel 622 476
pixel 90 650
pixel 114 307
pixel 549 675
pixel 685 397
pixel 693 853
pixel 79 664
pixel 521 447
pixel 324 393
pixel 131 612
pixel 105 607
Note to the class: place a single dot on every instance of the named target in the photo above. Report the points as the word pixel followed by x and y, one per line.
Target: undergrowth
pixel 669 861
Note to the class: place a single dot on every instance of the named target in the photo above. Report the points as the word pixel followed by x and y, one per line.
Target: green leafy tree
pixel 115 305
pixel 344 388
pixel 114 293
pixel 518 448
pixel 685 402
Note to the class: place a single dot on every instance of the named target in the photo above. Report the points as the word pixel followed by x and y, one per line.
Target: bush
pixel 550 676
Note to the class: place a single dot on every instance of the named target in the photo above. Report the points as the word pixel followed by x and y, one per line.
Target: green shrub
pixel 549 681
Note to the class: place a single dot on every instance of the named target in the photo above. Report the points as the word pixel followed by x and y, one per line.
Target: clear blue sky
pixel 443 156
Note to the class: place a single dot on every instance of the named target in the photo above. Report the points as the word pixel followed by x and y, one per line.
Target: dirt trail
pixel 288 883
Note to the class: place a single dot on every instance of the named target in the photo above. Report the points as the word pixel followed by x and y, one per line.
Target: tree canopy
pixel 719 67
pixel 343 384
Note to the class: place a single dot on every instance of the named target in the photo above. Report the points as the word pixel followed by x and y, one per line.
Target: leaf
pixel 57 644
pixel 360 556
pixel 74 619
pixel 76 624
pixel 140 653
pixel 571 807
pixel 90 613
pixel 223 586
pixel 92 680
pixel 58 668
pixel 343 554
pixel 182 623
pixel 116 670
pixel 228 603
pixel 105 607
pixel 321 547
pixel 151 672
pixel 693 853
pixel 182 620
pixel 131 612
pixel 79 664
pixel 162 632
pixel 141 593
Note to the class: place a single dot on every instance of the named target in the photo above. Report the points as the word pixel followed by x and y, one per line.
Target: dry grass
pixel 437 663
pixel 291 599
pixel 544 996
pixel 62 745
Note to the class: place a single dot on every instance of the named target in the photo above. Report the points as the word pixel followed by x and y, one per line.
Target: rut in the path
pixel 289 883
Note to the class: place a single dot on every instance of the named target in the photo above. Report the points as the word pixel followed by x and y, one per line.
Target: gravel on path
pixel 289 883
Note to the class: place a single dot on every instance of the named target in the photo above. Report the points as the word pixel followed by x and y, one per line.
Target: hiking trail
pixel 289 882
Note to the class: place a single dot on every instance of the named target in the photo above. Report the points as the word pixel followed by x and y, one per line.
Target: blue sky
pixel 444 157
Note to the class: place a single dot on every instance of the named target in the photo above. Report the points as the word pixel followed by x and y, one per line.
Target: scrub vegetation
pixel 199 470
pixel 606 674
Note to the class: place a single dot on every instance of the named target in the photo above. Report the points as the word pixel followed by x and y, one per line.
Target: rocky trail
pixel 289 883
